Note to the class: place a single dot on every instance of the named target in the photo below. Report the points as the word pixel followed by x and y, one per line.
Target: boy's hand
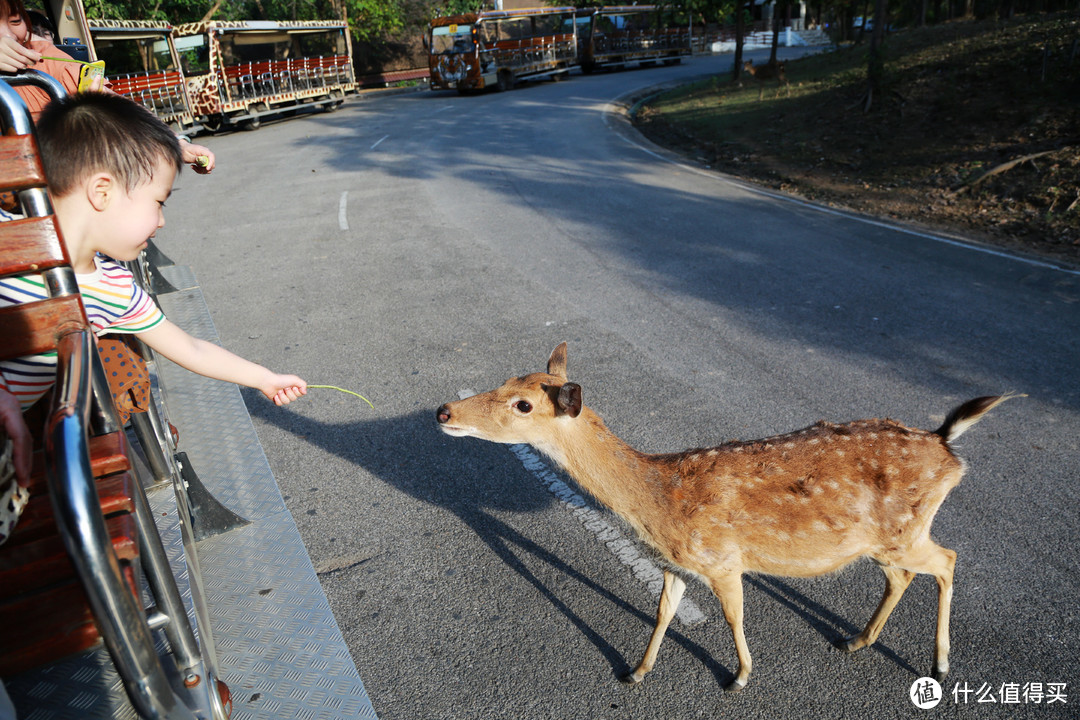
pixel 283 389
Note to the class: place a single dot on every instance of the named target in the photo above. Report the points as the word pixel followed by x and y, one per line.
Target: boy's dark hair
pixel 91 132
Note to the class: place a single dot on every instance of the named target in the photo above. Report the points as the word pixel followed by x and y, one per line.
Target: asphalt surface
pixel 418 246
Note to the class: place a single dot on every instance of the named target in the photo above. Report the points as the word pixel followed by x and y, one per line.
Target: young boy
pixel 111 166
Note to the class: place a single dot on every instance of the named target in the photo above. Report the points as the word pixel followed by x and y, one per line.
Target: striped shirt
pixel 114 304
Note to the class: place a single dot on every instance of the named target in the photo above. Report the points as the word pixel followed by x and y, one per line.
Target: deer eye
pixel 523 406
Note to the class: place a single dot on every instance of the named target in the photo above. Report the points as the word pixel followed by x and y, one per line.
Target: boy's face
pixel 132 218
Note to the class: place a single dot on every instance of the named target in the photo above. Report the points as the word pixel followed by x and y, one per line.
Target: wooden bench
pixel 240 81
pixel 71 572
pixel 390 77
pixel 42 605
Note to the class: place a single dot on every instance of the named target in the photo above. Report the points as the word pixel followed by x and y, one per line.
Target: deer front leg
pixel 730 591
pixel 674 586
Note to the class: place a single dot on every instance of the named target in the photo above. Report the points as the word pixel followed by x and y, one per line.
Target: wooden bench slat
pixel 24 327
pixel 41 628
pixel 108 456
pixel 37 520
pixel 20 164
pixel 30 245
pixel 32 566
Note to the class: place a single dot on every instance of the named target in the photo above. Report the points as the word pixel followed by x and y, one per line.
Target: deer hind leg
pixel 944 566
pixel 896 582
pixel 930 558
pixel 674 586
pixel 729 590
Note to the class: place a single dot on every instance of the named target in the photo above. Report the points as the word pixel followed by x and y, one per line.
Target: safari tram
pixel 501 48
pixel 240 72
pixel 141 62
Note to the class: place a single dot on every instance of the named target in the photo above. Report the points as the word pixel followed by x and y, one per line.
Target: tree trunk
pixel 775 32
pixel 740 30
pixel 212 11
pixel 875 66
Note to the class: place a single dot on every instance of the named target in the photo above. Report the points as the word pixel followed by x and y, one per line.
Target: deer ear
pixel 557 361
pixel 569 401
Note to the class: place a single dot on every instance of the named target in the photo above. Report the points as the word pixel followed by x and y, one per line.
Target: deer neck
pixel 609 469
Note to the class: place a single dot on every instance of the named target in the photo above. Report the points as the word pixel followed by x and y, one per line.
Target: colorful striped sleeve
pixel 27 378
pixel 114 303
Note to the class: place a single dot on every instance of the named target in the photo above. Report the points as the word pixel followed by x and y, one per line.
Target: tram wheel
pixel 254 122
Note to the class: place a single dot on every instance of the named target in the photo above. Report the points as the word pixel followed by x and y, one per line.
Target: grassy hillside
pixel 976 132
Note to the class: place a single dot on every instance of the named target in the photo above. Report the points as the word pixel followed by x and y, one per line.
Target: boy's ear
pixel 100 188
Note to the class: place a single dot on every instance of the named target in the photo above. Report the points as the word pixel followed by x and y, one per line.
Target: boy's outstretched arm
pixel 206 358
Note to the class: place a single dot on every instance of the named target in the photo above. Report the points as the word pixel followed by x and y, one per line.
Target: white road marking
pixel 342 215
pixel 627 551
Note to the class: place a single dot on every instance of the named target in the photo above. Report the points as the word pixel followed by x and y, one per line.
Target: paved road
pixel 418 246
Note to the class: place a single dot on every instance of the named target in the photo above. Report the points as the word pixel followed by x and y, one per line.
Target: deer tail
pixel 971 412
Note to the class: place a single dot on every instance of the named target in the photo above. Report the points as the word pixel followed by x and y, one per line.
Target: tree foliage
pixel 391 23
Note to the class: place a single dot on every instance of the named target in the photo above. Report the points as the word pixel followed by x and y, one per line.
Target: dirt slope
pixel 976 134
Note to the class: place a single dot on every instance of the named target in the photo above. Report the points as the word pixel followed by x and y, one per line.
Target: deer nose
pixel 442 415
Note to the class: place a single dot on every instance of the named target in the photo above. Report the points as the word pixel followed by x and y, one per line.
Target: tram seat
pixel 282 70
pixel 299 74
pixel 342 68
pixel 71 573
pixel 241 80
pixel 43 608
pixel 263 74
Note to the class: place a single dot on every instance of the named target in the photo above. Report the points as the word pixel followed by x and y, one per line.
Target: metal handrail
pixel 120 620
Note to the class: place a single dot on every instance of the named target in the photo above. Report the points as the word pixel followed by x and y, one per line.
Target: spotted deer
pixel 797 505
pixel 766 72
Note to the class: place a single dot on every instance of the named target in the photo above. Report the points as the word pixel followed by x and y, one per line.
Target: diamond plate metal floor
pixel 279 647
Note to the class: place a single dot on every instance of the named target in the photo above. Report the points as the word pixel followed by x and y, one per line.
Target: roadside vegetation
pixel 976 130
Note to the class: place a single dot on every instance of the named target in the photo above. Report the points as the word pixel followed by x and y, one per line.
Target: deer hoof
pixel 631 678
pixel 851 644
pixel 735 686
pixel 939 673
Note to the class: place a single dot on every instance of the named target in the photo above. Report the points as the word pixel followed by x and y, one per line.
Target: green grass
pixel 958 100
